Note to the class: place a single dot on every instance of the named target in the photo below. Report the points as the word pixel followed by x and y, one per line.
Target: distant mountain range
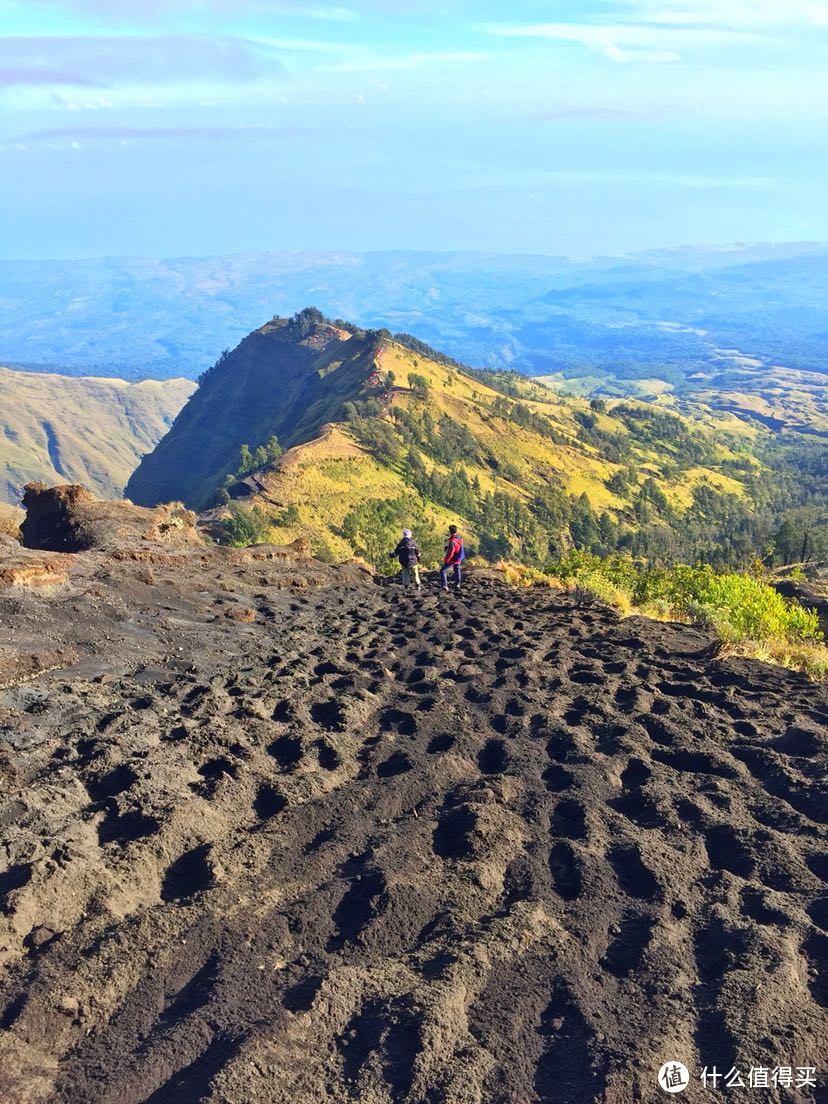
pixel 665 314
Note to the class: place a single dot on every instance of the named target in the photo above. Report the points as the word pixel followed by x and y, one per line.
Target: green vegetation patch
pixel 742 609
pixel 245 527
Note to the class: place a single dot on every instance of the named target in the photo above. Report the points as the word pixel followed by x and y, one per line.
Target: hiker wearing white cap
pixel 408 554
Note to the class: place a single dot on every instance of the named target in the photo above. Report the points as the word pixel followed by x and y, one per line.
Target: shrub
pixel 592 586
pixel 742 610
pixel 739 608
pixel 322 550
pixel 245 527
pixel 518 574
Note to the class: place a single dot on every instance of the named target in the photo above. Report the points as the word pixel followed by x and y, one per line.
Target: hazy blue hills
pixel 666 315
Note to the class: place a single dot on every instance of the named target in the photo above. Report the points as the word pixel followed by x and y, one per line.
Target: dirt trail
pixel 384 848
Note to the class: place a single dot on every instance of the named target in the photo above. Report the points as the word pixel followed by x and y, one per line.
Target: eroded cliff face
pixel 70 519
pixel 272 833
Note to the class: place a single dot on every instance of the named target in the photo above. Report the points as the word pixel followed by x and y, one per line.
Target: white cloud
pixel 112 60
pixel 732 14
pixel 404 62
pixel 154 10
pixel 615 53
pixel 662 30
pixel 620 42
pixel 517 178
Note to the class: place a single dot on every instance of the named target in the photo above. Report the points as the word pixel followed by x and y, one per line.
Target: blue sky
pixel 172 127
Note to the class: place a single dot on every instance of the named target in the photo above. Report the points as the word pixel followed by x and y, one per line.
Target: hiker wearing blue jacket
pixel 455 554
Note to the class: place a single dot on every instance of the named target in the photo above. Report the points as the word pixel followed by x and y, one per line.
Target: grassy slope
pixel 99 428
pixel 327 476
pixel 324 478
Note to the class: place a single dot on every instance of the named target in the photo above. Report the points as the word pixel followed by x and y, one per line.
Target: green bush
pixel 245 527
pixel 737 607
pixel 323 551
pixel 592 586
pixel 740 607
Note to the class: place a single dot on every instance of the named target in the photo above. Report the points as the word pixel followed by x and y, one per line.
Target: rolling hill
pixel 742 329
pixel 56 428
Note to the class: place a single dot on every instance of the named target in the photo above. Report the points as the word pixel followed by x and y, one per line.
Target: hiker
pixel 455 554
pixel 408 554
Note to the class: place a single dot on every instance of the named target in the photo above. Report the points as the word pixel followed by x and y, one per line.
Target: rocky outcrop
pixel 20 667
pixel 31 573
pixel 71 519
pixel 23 567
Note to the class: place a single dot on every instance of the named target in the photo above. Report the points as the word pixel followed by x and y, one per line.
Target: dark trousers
pixel 444 570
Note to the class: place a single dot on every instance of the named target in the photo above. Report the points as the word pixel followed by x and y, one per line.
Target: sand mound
pixel 377 848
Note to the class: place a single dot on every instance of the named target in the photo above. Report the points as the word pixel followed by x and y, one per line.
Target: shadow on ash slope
pixel 380 849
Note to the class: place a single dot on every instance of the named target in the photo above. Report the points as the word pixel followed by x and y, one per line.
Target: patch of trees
pixel 453 489
pixel 244 527
pixel 302 324
pixel 419 385
pixel 522 415
pixel 379 337
pixel 428 353
pixel 802 538
pixel 506 382
pixel 616 447
pixel 374 528
pixel 259 458
pixel 658 429
pixel 443 439
pixel 621 482
pixel 365 418
pixel 508 528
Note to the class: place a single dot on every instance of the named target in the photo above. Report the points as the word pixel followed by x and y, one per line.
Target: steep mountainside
pixel 93 431
pixel 380 429
pixel 286 379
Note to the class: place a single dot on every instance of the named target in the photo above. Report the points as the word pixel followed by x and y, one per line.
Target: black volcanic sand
pixel 384 848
